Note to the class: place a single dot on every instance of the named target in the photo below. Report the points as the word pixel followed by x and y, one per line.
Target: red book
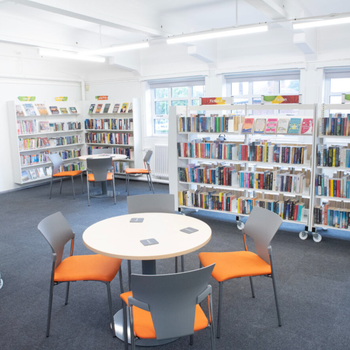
pixel 261 181
pixel 338 188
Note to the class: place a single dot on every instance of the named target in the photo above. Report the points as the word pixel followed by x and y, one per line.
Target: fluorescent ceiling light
pixel 108 50
pixel 217 34
pixel 69 55
pixel 321 23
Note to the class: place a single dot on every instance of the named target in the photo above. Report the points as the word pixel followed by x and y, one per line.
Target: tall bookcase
pixel 302 172
pixel 332 154
pixel 119 131
pixel 34 137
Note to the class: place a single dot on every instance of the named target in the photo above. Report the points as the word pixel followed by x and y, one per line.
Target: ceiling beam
pixel 93 17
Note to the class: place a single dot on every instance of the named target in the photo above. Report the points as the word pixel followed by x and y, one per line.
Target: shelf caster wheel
pixel 316 237
pixel 240 225
pixel 303 235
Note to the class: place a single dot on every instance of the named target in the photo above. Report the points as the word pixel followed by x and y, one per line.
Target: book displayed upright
pixel 106 108
pixel 99 108
pixel 130 108
pixel 116 108
pixel 29 110
pixel 63 110
pixel 282 126
pixel 259 126
pixel 91 108
pixel 19 111
pixel 294 126
pixel 248 125
pixel 271 126
pixel 73 110
pixel 124 108
pixel 54 110
pixel 42 109
pixel 307 126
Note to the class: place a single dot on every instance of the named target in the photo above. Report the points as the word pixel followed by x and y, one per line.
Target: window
pixel 248 90
pixel 335 85
pixel 176 94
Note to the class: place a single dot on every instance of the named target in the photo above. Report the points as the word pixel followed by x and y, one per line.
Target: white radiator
pixel 161 168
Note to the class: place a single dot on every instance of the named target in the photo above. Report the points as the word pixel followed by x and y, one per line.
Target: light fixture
pixel 69 55
pixel 111 49
pixel 213 34
pixel 321 22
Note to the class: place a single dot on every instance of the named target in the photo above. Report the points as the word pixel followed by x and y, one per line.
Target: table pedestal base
pixel 118 324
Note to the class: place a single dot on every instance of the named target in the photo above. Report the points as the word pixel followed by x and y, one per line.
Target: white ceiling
pixel 90 24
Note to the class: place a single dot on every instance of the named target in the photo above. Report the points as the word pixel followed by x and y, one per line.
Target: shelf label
pixel 278 99
pixel 61 98
pixel 26 98
pixel 105 97
pixel 345 98
pixel 216 101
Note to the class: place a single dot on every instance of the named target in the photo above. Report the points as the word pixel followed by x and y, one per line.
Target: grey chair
pixel 171 304
pixel 57 232
pixel 57 161
pixel 152 203
pixel 261 226
pixel 145 171
pixel 100 170
pixel 102 151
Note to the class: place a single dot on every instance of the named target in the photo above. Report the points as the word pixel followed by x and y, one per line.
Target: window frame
pixel 334 74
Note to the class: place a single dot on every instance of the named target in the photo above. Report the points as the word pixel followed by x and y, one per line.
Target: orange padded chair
pixel 261 226
pixel 57 161
pixel 57 232
pixel 146 170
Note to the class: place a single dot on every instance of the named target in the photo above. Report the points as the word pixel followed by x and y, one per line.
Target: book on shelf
pixel 19 111
pixel 33 174
pixel 63 110
pixel 91 108
pixel 307 126
pixel 130 108
pixel 99 108
pixel 259 126
pixel 42 109
pixel 44 126
pixel 106 108
pixel 294 126
pixel 29 110
pixel 282 126
pixel 336 124
pixel 46 141
pixel 116 108
pixel 73 110
pixel 48 171
pixel 25 176
pixel 247 125
pixel 41 172
pixel 124 108
pixel 54 110
pixel 271 126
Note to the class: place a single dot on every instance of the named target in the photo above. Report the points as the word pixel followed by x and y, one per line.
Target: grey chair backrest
pixel 56 161
pixel 172 299
pixel 262 225
pixel 99 167
pixel 151 203
pixel 102 151
pixel 57 232
pixel 147 160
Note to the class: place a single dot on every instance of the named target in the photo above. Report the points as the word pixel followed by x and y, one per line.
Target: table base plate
pixel 118 324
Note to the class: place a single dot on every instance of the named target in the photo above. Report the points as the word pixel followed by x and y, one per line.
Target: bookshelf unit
pixel 119 131
pixel 332 154
pixel 298 170
pixel 34 137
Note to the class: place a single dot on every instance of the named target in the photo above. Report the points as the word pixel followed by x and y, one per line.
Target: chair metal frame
pixel 153 203
pixel 57 233
pixel 57 161
pixel 146 162
pixel 99 167
pixel 172 307
pixel 261 226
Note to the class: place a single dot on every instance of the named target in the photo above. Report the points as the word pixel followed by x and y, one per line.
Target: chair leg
pixel 125 326
pixel 127 183
pixel 73 187
pixel 50 301
pixel 219 309
pixel 88 189
pixel 150 180
pixel 191 339
pixel 67 293
pixel 51 187
pixel 110 307
pixel 212 325
pixel 129 274
pixel 182 263
pixel 131 328
pixel 275 292
pixel 176 269
pixel 252 286
pixel 115 199
pixel 82 183
pixel 61 186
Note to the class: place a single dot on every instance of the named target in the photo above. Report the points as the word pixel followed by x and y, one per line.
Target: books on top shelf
pixel 19 111
pixel 109 124
pixel 42 109
pixel 294 126
pixel 29 109
pixel 109 108
pixel 307 126
pixel 337 124
pixel 106 108
pixel 282 125
pixel 124 108
pixel 63 110
pixel 54 110
pixel 99 108
pixel 91 108
pixel 73 110
pixel 116 108
pixel 130 108
pixel 271 126
pixel 247 127
pixel 259 127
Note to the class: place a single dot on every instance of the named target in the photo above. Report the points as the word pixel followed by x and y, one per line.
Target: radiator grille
pixel 161 161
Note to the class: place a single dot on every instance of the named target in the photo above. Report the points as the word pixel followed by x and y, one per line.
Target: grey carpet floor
pixel 313 282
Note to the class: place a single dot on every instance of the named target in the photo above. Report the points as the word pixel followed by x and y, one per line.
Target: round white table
pixel 119 238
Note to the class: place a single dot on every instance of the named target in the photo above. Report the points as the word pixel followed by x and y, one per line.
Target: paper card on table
pixel 189 230
pixel 136 220
pixel 149 241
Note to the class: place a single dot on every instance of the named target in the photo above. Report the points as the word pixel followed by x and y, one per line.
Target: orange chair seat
pixel 143 324
pixel 136 171
pixel 235 264
pixel 68 173
pixel 91 177
pixel 87 267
